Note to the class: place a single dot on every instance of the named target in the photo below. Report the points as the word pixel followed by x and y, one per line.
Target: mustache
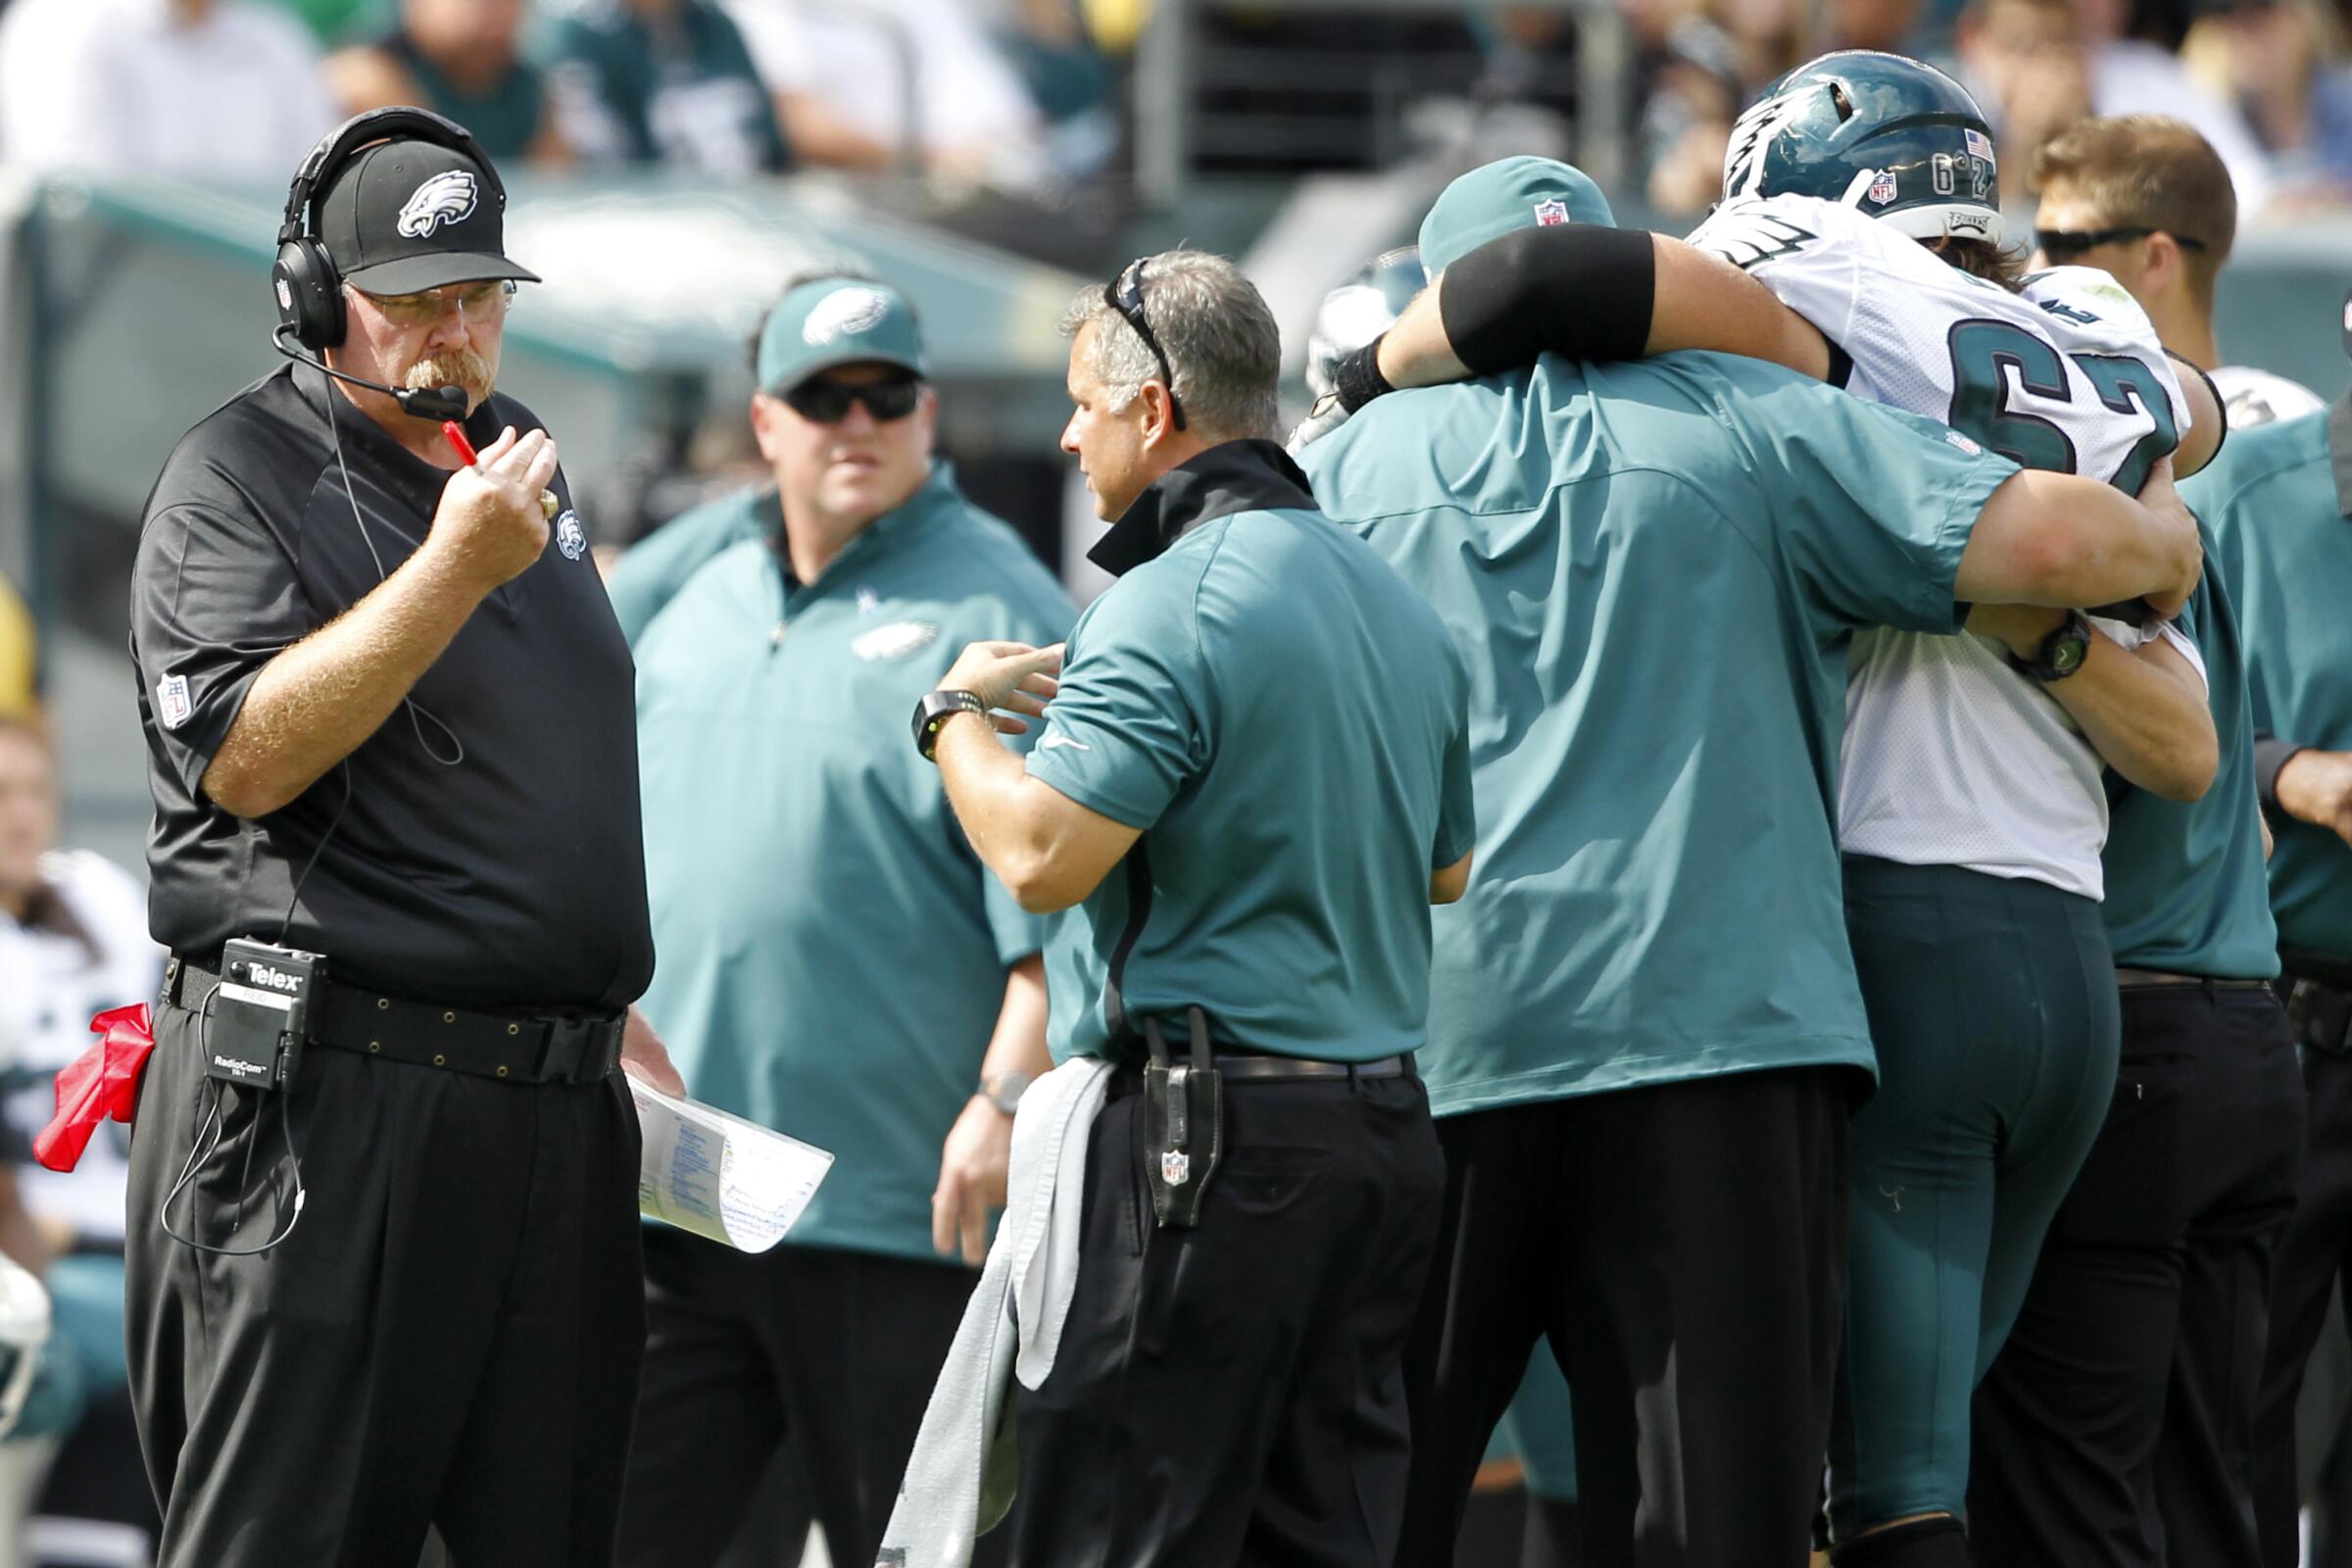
pixel 461 367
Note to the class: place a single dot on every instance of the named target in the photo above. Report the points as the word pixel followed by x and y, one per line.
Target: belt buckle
pixel 563 1052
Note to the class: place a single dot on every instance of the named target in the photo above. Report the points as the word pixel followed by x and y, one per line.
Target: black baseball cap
pixel 402 217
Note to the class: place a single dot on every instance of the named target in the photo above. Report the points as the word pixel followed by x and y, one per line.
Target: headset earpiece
pixel 309 294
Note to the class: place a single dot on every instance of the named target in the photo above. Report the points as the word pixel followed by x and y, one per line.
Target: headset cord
pixel 417 712
pixel 200 1153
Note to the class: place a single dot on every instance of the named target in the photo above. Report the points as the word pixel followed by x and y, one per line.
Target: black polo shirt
pixel 512 878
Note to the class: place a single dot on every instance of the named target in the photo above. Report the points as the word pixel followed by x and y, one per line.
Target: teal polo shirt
pixel 1654 570
pixel 1285 720
pixel 2278 502
pixel 653 568
pixel 2184 878
pixel 830 954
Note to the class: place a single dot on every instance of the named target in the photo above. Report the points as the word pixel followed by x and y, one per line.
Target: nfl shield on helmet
pixel 1897 139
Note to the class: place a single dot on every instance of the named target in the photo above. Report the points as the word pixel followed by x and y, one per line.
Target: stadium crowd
pixel 1024 95
pixel 2059 1309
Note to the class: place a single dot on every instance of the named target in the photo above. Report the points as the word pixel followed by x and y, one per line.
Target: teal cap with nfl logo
pixel 832 321
pixel 1509 193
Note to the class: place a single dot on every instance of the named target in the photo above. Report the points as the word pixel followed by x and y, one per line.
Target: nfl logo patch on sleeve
pixel 171 703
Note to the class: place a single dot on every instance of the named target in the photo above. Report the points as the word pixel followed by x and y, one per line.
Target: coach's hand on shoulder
pixel 2316 787
pixel 489 526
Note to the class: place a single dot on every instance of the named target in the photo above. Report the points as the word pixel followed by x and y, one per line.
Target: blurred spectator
pixel 460 58
pixel 1694 95
pixel 72 943
pixel 857 84
pixel 2039 65
pixel 1069 79
pixel 2282 61
pixel 335 22
pixel 20 658
pixel 220 87
pixel 661 81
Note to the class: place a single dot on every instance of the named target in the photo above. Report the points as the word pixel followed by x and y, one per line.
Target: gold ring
pixel 549 506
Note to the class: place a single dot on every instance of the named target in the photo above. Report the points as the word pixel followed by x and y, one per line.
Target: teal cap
pixel 835 321
pixel 1509 193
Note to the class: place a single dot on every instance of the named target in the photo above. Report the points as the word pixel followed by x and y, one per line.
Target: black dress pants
pixel 1231 1396
pixel 2115 1428
pixel 2316 1252
pixel 835 1349
pixel 449 1337
pixel 1684 1247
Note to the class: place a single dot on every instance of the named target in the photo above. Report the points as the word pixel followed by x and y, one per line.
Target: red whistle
pixel 455 433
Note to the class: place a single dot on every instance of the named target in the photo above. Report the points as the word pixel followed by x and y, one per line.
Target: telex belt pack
pixel 530 1050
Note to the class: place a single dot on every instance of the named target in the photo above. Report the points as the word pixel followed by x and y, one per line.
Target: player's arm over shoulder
pixel 1589 292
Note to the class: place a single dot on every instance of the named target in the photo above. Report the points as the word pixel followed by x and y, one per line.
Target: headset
pixel 308 283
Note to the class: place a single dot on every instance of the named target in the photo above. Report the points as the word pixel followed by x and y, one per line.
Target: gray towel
pixel 961 1476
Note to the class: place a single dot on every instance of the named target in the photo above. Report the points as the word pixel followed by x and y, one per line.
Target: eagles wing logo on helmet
pixel 1752 135
pixel 446 197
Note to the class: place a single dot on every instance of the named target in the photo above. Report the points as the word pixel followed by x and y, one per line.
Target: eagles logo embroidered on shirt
pixel 570 538
pixel 171 701
pixel 446 197
pixel 896 640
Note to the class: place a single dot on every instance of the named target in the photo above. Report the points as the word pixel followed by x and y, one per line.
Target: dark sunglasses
pixel 2064 244
pixel 827 401
pixel 1125 295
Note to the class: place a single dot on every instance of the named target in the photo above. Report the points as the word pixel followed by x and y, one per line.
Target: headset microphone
pixel 435 403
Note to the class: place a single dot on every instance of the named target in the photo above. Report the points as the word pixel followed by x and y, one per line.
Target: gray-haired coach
pixel 1253 780
pixel 393 1281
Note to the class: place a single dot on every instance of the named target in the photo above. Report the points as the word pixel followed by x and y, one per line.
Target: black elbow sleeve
pixel 1584 291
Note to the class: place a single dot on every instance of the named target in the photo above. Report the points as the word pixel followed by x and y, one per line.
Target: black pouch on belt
pixel 1184 1123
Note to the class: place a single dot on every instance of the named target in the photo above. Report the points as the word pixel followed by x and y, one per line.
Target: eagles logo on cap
pixel 845 313
pixel 446 197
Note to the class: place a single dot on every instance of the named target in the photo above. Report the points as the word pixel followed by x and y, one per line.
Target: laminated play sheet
pixel 720 1176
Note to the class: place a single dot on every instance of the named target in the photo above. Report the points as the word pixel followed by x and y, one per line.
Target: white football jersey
pixel 1953 757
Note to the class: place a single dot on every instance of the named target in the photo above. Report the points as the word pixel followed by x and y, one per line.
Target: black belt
pixel 2320 1016
pixel 541 1048
pixel 1254 1066
pixel 2130 979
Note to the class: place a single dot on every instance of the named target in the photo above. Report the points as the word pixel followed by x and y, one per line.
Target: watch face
pixel 2067 655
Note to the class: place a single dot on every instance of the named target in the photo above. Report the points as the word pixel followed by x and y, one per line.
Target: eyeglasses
pixel 827 401
pixel 474 300
pixel 2064 244
pixel 1126 296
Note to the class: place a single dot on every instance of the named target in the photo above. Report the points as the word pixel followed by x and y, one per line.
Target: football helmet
pixel 1898 140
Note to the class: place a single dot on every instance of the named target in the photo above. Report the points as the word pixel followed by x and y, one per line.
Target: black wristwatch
pixel 935 710
pixel 2062 652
